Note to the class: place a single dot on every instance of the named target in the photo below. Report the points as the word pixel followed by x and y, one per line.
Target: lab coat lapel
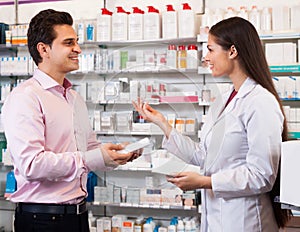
pixel 213 135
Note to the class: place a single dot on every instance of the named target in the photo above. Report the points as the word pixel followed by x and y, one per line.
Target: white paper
pixel 289 183
pixel 174 166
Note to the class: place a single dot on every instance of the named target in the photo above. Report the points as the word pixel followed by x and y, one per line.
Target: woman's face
pixel 218 59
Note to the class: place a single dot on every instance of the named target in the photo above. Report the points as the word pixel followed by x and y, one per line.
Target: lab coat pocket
pixel 232 218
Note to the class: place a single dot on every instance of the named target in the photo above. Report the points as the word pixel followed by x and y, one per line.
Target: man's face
pixel 63 54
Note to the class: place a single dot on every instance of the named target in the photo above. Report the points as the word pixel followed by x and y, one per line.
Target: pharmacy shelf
pixel 133 169
pixel 294 68
pixel 128 133
pixel 290 99
pixel 266 36
pixel 150 102
pixel 142 42
pixel 2 165
pixel 136 133
pixel 151 70
pixel 294 135
pixel 148 70
pixel 11 47
pixel 146 206
pixel 13 75
pixel 203 70
pixel 204 103
pixel 280 36
pixel 6 205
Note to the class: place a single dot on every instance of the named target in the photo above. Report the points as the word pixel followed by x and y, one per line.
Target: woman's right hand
pixel 152 115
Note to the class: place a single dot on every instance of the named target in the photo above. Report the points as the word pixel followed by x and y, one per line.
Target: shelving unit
pixel 286 69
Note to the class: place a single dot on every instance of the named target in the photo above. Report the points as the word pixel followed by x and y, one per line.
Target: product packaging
pixel 104 25
pixel 169 23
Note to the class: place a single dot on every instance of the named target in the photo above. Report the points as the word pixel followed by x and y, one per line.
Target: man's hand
pixel 112 158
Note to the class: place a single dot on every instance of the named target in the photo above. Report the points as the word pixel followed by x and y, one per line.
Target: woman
pixel 239 149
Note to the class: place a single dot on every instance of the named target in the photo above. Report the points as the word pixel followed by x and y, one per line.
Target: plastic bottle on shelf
pixel 192 57
pixel 138 224
pixel 135 24
pixel 207 19
pixel 172 226
pixel 147 227
pixel 11 184
pixel 193 225
pixel 206 94
pixel 230 12
pixel 243 13
pixel 119 24
pixel 180 226
pixel 172 56
pixel 254 17
pixel 181 57
pixel 91 219
pixel 169 23
pixel 90 32
pixel 188 226
pixel 80 31
pixel 186 21
pixel 266 20
pixel 152 25
pixel 91 183
pixel 104 25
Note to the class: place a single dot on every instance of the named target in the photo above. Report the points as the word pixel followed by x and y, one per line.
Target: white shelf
pixel 153 69
pixel 117 102
pixel 280 35
pixel 204 103
pixel 264 36
pixel 134 169
pixel 143 42
pixel 204 70
pixel 131 205
pixel 136 133
pixel 127 133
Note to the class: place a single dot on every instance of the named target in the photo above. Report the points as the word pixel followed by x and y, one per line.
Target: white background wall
pixel 88 9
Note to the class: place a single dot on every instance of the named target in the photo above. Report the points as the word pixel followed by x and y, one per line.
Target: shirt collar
pixel 47 82
pixel 246 87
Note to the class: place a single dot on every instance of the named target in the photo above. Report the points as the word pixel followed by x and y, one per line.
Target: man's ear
pixel 43 49
pixel 233 52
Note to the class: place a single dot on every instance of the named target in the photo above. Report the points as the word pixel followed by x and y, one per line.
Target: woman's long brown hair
pixel 243 35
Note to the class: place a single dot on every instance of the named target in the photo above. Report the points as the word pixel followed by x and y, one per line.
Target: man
pixel 49 135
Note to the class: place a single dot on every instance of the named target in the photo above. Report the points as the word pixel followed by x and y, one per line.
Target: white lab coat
pixel 240 149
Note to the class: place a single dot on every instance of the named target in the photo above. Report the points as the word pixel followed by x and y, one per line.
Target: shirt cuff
pixel 93 159
pixel 217 181
pixel 167 141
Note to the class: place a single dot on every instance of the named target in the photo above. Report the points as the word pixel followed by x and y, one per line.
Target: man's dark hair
pixel 41 29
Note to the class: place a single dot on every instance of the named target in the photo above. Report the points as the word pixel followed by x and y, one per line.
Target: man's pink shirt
pixel 51 142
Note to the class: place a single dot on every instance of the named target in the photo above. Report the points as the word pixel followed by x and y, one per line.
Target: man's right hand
pixel 111 156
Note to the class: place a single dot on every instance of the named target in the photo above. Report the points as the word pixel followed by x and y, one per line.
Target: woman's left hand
pixel 190 181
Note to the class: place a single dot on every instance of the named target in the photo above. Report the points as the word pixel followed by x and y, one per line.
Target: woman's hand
pixel 190 181
pixel 152 115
